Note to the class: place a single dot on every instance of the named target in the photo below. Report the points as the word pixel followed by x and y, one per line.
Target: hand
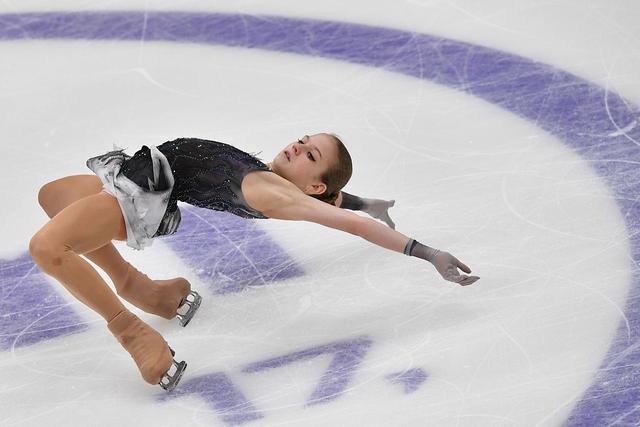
pixel 379 209
pixel 447 265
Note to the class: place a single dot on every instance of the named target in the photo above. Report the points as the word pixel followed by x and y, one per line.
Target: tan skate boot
pixel 148 349
pixel 159 297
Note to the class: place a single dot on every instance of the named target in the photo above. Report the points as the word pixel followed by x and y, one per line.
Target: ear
pixel 316 188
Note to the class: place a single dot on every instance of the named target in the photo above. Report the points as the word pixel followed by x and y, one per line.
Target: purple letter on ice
pixel 228 252
pixel 219 391
pixel 412 379
pixel 30 309
pixel 348 355
pixel 227 400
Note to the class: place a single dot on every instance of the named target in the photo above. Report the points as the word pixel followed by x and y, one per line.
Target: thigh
pixel 87 224
pixel 57 195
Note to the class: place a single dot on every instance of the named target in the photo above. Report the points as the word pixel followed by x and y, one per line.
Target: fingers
pixel 468 280
pixel 462 266
pixel 452 275
pixel 386 218
pixel 447 265
pixel 388 203
pixel 381 211
pixel 463 280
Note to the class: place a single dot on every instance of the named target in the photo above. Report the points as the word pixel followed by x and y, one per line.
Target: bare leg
pixel 59 194
pixel 83 226
pixel 160 297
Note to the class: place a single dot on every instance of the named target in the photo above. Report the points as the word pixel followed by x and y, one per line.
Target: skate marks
pixel 227 400
pixel 31 310
pixel 591 120
pixel 229 253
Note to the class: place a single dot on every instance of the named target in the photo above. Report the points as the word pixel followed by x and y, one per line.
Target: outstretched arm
pixel 299 207
pixel 376 208
pixel 445 263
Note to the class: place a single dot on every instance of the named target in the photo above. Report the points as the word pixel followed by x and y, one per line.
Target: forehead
pixel 325 143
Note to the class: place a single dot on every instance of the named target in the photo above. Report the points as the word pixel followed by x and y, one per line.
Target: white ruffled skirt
pixel 142 209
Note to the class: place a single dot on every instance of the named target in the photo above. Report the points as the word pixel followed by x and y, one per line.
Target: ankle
pixel 121 272
pixel 121 312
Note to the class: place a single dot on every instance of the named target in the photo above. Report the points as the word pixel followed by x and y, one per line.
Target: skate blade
pixel 170 381
pixel 193 305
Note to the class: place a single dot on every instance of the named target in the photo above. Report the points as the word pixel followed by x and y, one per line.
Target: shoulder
pixel 264 190
pixel 278 198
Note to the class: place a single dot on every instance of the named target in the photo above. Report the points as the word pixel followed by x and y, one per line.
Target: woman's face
pixel 305 160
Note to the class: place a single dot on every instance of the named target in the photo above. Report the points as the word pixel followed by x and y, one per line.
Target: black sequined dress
pixel 149 184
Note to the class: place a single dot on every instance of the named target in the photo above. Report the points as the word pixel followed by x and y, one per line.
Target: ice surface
pixel 507 134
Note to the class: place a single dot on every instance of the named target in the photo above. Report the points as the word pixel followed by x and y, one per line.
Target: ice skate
pixel 148 349
pixel 192 306
pixel 159 297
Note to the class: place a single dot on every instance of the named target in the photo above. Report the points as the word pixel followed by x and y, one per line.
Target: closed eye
pixel 309 155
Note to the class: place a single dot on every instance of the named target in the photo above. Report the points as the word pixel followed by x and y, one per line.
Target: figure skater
pixel 134 199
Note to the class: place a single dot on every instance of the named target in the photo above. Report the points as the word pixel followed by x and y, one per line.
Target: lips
pixel 286 154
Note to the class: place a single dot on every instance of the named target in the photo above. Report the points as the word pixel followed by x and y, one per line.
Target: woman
pixel 135 199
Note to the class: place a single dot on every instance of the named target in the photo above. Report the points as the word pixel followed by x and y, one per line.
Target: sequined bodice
pixel 207 174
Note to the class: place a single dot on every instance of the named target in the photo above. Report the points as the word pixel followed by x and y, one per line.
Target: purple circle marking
pixel 597 124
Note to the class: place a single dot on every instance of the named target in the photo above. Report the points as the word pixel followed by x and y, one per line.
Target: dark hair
pixel 336 176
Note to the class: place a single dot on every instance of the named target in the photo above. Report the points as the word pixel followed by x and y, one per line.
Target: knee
pixel 45 251
pixel 43 195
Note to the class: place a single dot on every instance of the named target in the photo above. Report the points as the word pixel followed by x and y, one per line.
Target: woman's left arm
pixel 300 207
pixel 376 208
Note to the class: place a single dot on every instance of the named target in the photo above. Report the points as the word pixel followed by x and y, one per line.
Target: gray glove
pixel 376 208
pixel 446 264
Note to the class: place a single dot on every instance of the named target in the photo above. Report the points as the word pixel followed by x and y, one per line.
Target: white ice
pixel 528 215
